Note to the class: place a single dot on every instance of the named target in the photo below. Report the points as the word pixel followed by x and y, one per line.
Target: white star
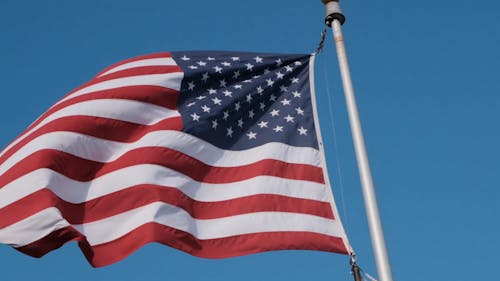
pixel 272 98
pixel 201 97
pixel 230 132
pixel 296 94
pixel 237 106
pixel 228 93
pixel 288 118
pixel 247 81
pixel 260 90
pixel 205 108
pixel 210 58
pixel 225 63
pixel 212 91
pixel 262 106
pixel 258 59
pixel 236 74
pixel 298 63
pixel 195 116
pixel 226 115
pixel 201 63
pixel 278 128
pixel 275 112
pixel 285 102
pixel 217 101
pixel 280 75
pixel 240 123
pixel 278 62
pixel 193 67
pixel 251 135
pixel 256 76
pixel 185 58
pixel 289 68
pixel 266 71
pixel 205 77
pixel 214 124
pixel 223 83
pixel 238 86
pixel 249 98
pixel 283 88
pixel 191 104
pixel 217 69
pixel 302 131
pixel 262 124
pixel 250 114
pixel 249 66
pixel 295 80
pixel 299 111
pixel 270 82
pixel 235 58
pixel 191 86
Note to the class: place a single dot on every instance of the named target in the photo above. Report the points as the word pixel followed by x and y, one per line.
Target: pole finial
pixel 333 12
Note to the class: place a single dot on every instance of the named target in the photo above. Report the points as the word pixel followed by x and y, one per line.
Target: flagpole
pixel 334 19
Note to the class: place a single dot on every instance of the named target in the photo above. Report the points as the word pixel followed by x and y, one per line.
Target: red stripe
pixel 54 241
pixel 156 95
pixel 136 71
pixel 114 251
pixel 150 94
pixel 141 195
pixel 126 73
pixel 85 170
pixel 140 92
pixel 104 128
pixel 143 57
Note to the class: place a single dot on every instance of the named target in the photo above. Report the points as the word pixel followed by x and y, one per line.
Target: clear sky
pixel 426 77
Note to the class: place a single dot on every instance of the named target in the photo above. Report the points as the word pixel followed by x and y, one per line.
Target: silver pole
pixel 334 19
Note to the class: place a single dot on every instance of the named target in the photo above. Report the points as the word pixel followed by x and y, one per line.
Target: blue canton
pixel 242 100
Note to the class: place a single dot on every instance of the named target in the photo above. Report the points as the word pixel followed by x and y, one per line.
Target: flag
pixel 216 154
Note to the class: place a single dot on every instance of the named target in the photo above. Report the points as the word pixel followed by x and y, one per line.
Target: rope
pixel 336 150
pixel 354 265
pixel 319 49
pixel 356 270
pixel 369 277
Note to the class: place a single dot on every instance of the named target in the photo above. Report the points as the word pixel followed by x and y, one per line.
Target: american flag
pixel 213 153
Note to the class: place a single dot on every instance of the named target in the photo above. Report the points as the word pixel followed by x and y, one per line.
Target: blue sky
pixel 426 79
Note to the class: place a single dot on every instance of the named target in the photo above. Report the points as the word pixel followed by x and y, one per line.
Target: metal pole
pixel 334 19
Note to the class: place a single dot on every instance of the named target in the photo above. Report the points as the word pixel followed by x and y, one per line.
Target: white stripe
pixel 112 228
pixel 77 192
pixel 119 109
pixel 167 80
pixel 100 150
pixel 170 80
pixel 32 228
pixel 139 63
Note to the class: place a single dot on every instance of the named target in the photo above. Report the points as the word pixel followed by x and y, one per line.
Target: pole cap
pixel 333 12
